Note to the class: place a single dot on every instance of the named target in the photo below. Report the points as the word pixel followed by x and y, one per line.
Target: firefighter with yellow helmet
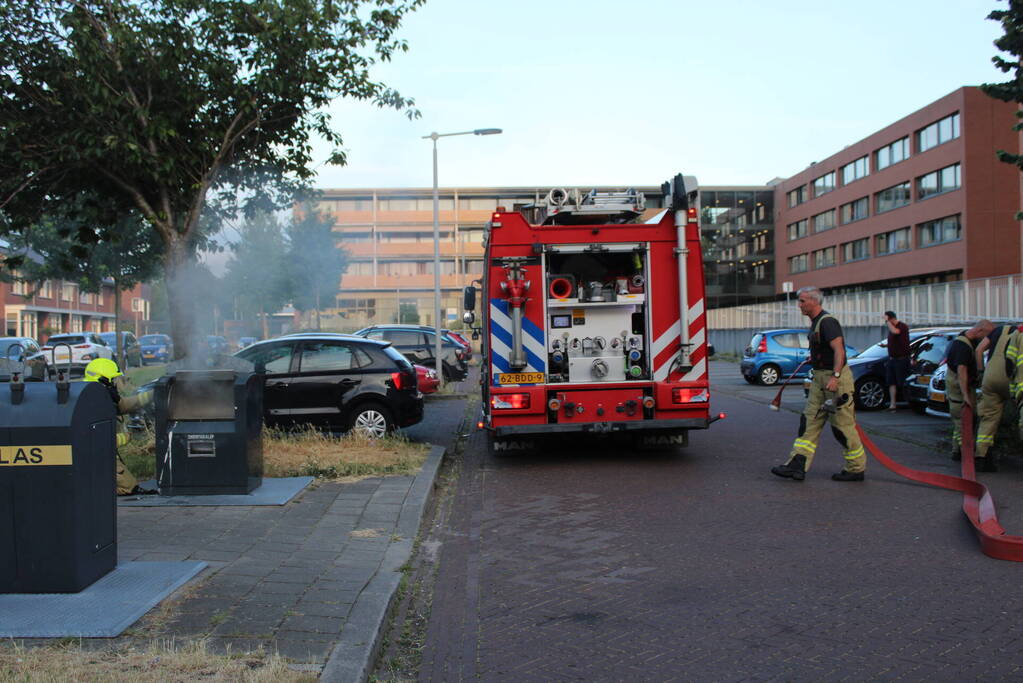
pixel 122 393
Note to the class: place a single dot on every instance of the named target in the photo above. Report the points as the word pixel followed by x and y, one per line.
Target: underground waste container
pixel 209 432
pixel 58 506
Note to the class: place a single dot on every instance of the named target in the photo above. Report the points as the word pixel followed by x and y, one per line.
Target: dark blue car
pixel 773 355
pixel 156 348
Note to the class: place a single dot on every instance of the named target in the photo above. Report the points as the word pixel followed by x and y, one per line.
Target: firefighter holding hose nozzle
pixel 106 372
pixel 830 398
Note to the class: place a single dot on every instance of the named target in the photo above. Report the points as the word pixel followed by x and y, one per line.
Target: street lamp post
pixel 436 244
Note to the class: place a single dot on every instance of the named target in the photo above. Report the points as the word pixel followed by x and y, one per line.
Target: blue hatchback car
pixel 773 355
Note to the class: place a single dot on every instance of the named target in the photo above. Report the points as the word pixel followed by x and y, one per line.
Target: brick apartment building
pixel 923 200
pixel 59 306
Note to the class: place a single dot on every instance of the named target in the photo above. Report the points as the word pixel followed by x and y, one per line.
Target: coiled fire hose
pixel 978 505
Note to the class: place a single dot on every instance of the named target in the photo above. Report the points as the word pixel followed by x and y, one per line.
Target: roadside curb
pixel 445 397
pixel 352 656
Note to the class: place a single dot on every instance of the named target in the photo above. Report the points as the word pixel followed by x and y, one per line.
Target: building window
pixel 477 204
pixel 943 230
pixel 360 268
pixel 855 170
pixel 67 293
pixel 856 250
pixel 18 286
pixel 824 184
pixel 85 298
pixel 892 198
pixel 354 204
pixel 797 230
pixel 855 211
pixel 797 196
pixel 891 154
pixel 892 242
pixel 797 264
pixel 353 307
pixel 824 221
pixel 938 133
pixel 944 180
pixel 46 290
pixel 824 258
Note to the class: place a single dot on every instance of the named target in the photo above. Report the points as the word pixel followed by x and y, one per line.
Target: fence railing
pixel 946 303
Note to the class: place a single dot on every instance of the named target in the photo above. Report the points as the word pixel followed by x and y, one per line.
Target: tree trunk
pixel 118 342
pixel 181 298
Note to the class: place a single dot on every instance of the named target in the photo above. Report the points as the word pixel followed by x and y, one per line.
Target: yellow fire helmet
pixel 101 367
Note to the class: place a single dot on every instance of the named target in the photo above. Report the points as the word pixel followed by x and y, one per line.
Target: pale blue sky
pixel 600 92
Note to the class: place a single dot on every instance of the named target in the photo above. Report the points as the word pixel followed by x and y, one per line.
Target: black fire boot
pixel 845 475
pixel 957 454
pixel 794 469
pixel 985 464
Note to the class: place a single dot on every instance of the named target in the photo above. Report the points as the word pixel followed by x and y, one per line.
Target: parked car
pixel 773 355
pixel 869 369
pixel 217 344
pixel 156 348
pixel 928 356
pixel 23 355
pixel 336 382
pixel 85 346
pixel 427 378
pixel 416 343
pixel 132 351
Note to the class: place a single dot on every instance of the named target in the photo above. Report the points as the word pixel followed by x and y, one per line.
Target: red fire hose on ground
pixel 978 505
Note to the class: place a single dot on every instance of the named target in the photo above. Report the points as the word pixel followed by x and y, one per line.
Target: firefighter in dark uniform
pixel 830 398
pixel 106 372
pixel 996 388
pixel 961 379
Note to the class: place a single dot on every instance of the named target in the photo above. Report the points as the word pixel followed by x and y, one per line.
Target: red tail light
pixel 81 346
pixel 403 381
pixel 687 395
pixel 762 347
pixel 510 401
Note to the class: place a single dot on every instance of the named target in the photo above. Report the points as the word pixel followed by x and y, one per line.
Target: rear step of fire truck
pixel 593 349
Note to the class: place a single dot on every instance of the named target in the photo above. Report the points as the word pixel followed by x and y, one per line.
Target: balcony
pixel 416 250
pixel 351 283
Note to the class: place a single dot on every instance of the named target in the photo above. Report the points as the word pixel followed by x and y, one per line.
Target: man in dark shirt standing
pixel 898 355
pixel 961 379
pixel 830 397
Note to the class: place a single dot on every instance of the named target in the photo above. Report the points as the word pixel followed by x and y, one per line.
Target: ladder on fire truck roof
pixel 563 207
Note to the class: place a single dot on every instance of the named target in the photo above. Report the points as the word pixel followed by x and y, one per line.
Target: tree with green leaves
pixel 315 260
pixel 1010 42
pixel 176 108
pixel 128 256
pixel 258 278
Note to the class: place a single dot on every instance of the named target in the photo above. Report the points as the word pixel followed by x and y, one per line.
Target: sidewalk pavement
pixel 311 580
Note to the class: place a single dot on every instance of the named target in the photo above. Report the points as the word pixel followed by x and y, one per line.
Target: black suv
pixel 417 343
pixel 336 382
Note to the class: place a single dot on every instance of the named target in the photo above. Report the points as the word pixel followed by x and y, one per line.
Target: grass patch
pixel 140 376
pixel 307 452
pixel 69 661
pixel 312 452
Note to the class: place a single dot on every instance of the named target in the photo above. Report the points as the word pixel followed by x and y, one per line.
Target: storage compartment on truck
pixel 597 313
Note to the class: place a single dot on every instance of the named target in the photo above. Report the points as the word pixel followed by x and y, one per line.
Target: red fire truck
pixel 582 326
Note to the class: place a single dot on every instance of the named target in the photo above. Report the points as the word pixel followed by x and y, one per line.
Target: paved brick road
pixel 600 564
